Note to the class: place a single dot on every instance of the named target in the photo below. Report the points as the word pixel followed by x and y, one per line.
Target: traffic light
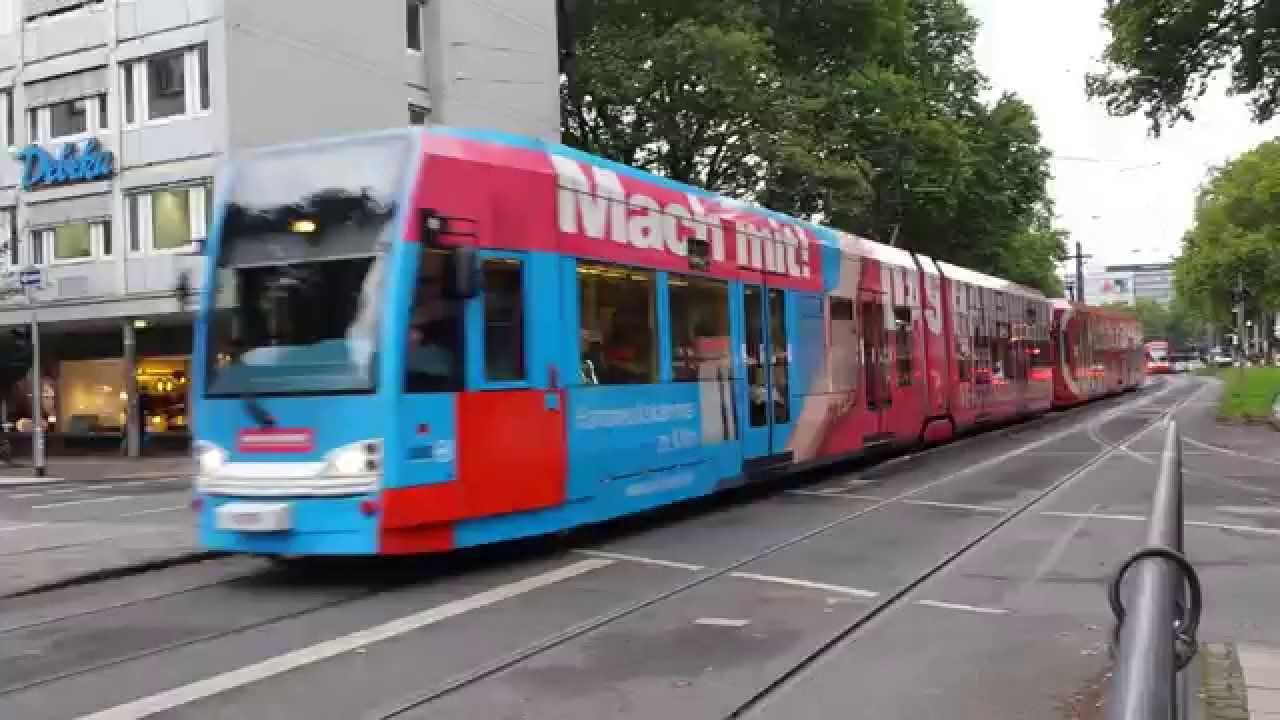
pixel 15 357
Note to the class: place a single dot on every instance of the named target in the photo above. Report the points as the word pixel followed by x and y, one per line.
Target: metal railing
pixel 1156 623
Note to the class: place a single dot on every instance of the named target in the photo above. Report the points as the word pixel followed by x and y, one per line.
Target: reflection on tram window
pixel 618 331
pixel 699 329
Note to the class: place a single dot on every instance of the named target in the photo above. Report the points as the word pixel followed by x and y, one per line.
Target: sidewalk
pixel 90 469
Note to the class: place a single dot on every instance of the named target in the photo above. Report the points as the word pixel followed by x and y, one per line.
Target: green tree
pixel 1162 55
pixel 1236 235
pixel 864 116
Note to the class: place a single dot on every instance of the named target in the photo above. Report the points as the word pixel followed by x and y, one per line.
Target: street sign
pixel 30 277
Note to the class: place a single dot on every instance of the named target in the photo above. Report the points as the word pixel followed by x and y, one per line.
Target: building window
pixel 618 327
pixel 12 255
pixel 417 114
pixel 7 16
pixel 504 320
pixel 68 120
pixel 699 329
pixel 6 98
pixel 71 242
pixel 169 219
pixel 165 86
pixel 413 24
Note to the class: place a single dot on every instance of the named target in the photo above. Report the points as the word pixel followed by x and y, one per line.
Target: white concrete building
pixel 156 93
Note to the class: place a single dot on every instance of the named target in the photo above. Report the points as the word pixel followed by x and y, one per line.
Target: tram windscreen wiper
pixel 257 412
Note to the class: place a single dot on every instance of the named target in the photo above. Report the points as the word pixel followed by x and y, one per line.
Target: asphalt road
pixel 964 582
pixel 56 531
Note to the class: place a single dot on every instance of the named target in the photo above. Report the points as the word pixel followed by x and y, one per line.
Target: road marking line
pixel 836 493
pixel 967 608
pixel 133 483
pixel 641 560
pixel 185 694
pixel 841 589
pixel 28 480
pixel 22 527
pixel 153 511
pixel 958 506
pixel 775 579
pixel 1194 523
pixel 1237 528
pixel 20 496
pixel 1093 515
pixel 112 498
pixel 722 622
pixel 64 491
pixel 1229 451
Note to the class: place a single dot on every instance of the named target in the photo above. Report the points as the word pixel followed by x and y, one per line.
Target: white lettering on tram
pixel 633 416
pixel 599 207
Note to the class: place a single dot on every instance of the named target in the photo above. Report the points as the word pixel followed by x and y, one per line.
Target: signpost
pixel 30 279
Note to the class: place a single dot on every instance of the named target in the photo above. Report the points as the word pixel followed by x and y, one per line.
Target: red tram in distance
pixel 1098 352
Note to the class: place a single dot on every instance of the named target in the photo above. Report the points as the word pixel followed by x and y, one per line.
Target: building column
pixel 133 407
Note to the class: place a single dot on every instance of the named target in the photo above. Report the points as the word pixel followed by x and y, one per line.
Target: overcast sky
pixel 1107 194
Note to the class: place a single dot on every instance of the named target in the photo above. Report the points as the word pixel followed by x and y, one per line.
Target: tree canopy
pixel 865 116
pixel 1236 235
pixel 1162 55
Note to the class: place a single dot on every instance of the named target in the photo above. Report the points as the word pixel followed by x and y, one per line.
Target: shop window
pixel 699 329
pixel 168 220
pixel 844 345
pixel 169 85
pixel 618 330
pixel 434 359
pixel 902 326
pixel 504 340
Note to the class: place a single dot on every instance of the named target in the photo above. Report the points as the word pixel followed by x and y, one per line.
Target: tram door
pixel 876 366
pixel 768 414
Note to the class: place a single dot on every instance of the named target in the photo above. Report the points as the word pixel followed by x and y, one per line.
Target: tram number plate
pixel 254 517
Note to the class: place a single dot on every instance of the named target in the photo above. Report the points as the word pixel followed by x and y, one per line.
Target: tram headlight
pixel 209 458
pixel 360 458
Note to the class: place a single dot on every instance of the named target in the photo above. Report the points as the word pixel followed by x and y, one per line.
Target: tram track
pixel 451 570
pixel 892 600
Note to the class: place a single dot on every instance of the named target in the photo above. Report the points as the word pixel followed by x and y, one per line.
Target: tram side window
pixel 618 333
pixel 700 341
pixel 503 320
pixel 433 361
pixel 845 347
pixel 963 357
pixel 902 324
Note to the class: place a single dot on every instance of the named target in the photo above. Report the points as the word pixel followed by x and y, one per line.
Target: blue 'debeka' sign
pixel 82 163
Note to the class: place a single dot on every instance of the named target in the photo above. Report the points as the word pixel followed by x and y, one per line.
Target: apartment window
pixel 417 115
pixel 166 86
pixel 503 320
pixel 7 17
pixel 413 24
pixel 71 242
pixel 67 120
pixel 618 332
pixel 169 219
pixel 169 85
pixel 6 99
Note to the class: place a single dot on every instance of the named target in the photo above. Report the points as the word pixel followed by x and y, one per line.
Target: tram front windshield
pixel 300 269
